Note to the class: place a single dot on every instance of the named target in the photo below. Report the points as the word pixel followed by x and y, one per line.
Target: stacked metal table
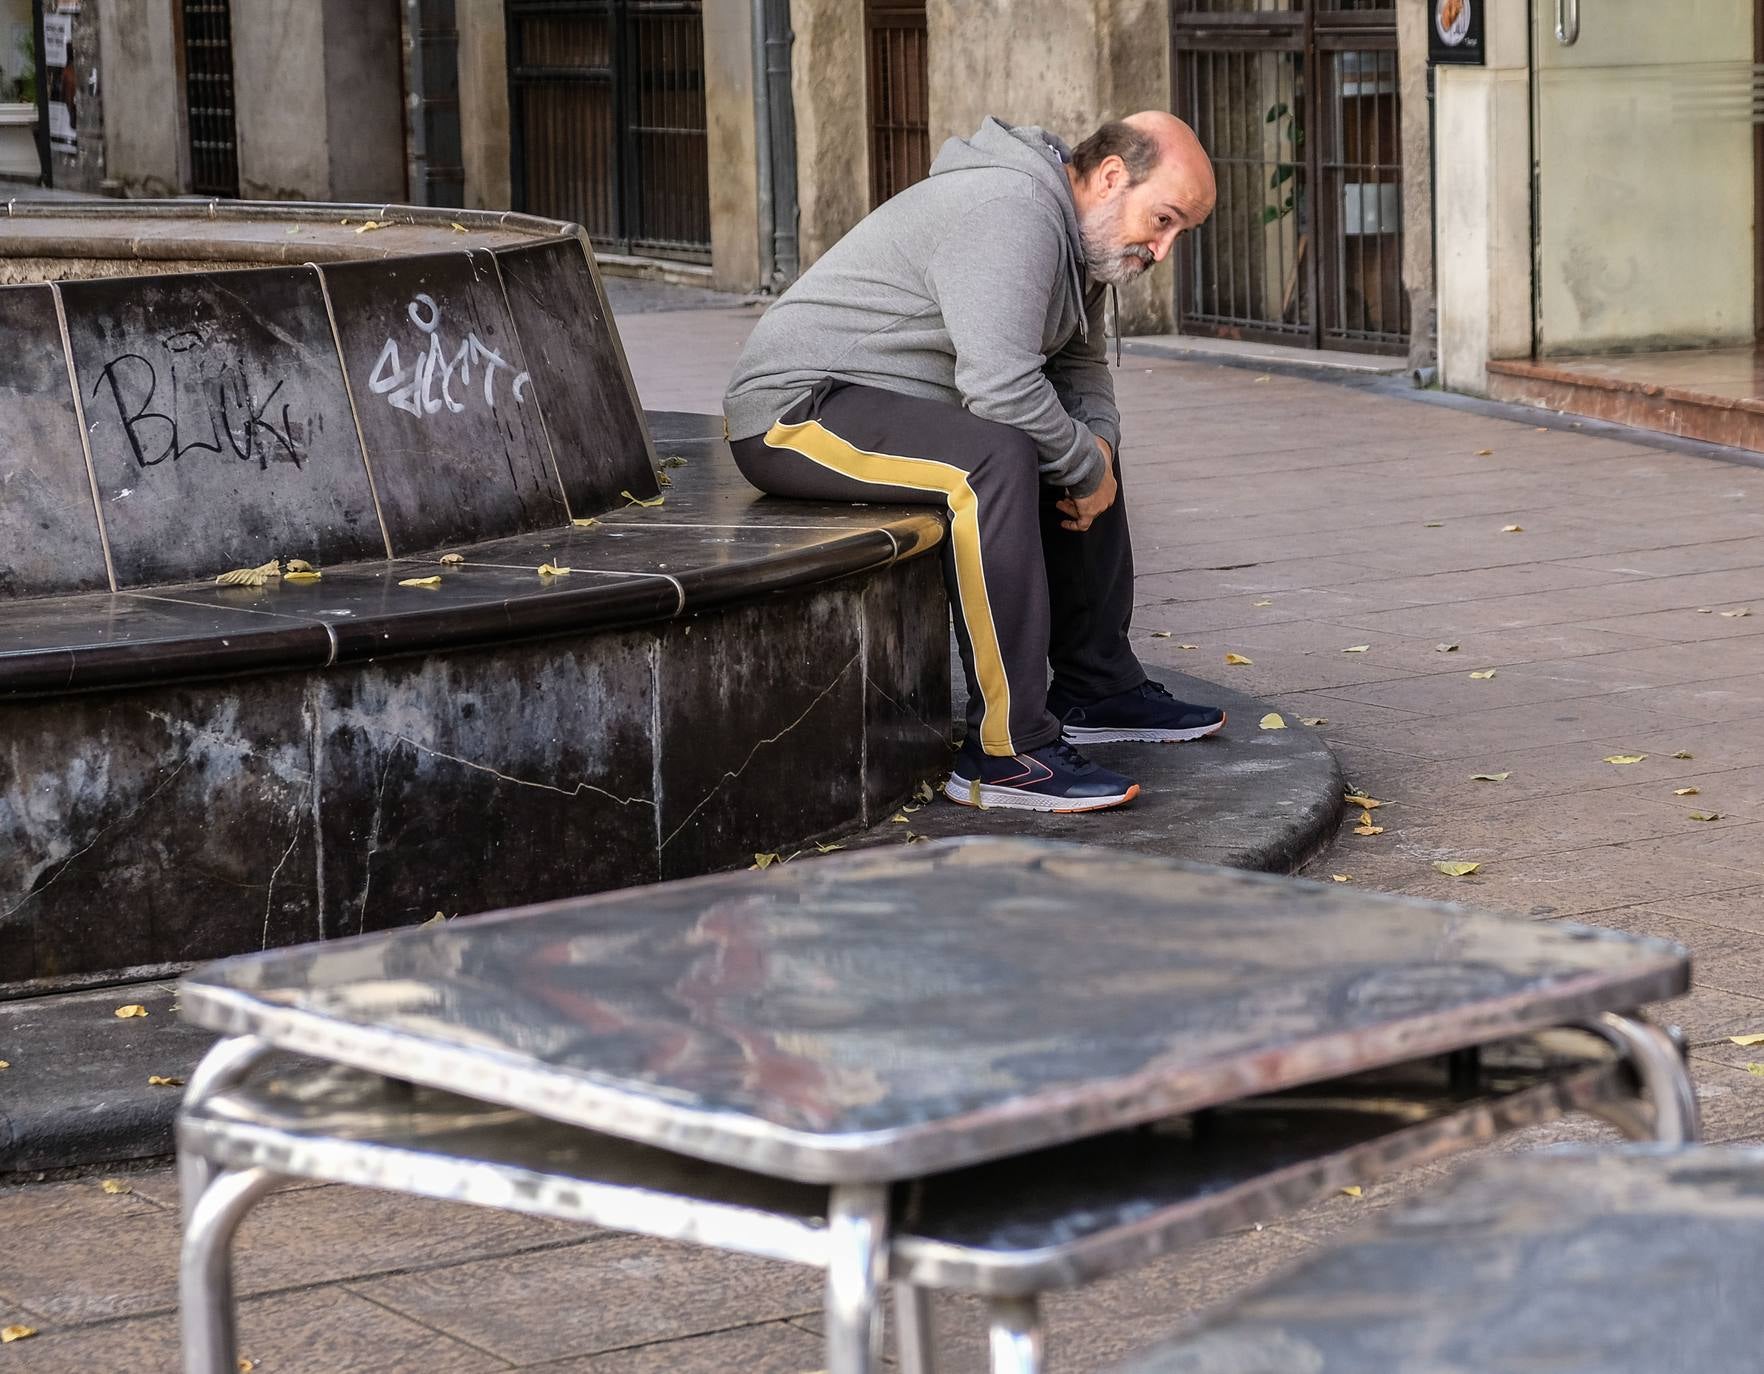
pixel 994 1066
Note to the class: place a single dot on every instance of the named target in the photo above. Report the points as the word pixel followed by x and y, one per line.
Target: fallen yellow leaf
pixel 1735 615
pixel 1313 721
pixel 973 798
pixel 1512 529
pixel 114 1186
pixel 9 1334
pixel 1238 660
pixel 663 480
pixel 1445 648
pixel 900 817
pixel 1261 603
pixel 438 919
pixel 1686 791
pixel 1188 646
pixel 368 226
pixel 295 565
pixel 673 460
pixel 764 860
pixel 1756 1070
pixel 1366 828
pixel 1353 1190
pixel 1684 754
pixel 246 1364
pixel 586 522
pixel 924 791
pixel 1705 815
pixel 1160 634
pixel 312 575
pixel 1265 377
pixel 164 1081
pixel 251 577
pixel 826 848
pixel 5 1064
pixel 1624 758
pixel 552 570
pixel 1357 649
pixel 1273 721
pixel 1484 675
pixel 1340 878
pixel 1489 777
pixel 434 581
pixel 647 502
pixel 452 560
pixel 1747 1040
pixel 1362 801
pixel 458 228
pixel 1456 868
pixel 132 1010
pixel 1485 453
pixel 1434 525
pixel 1705 610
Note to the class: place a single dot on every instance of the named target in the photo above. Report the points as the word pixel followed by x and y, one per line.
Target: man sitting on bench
pixel 949 351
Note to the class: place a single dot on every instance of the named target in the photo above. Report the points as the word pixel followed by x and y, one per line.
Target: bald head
pixel 1137 183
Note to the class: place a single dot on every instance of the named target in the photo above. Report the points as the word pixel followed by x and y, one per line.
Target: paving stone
pixel 766 1348
pixel 320 1331
pixel 588 1299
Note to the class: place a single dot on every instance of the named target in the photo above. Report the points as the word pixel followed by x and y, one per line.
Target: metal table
pixel 1630 1261
pixel 865 1023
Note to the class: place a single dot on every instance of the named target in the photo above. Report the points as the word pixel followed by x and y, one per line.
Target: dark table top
pixel 1635 1261
pixel 888 1013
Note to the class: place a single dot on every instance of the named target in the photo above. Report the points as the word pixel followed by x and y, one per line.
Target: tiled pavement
pixel 1284 520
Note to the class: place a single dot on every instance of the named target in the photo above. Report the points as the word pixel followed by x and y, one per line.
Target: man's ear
pixel 1111 173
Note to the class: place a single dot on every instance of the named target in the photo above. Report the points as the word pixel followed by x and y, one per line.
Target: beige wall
pixel 364 104
pixel 827 84
pixel 143 134
pixel 483 103
pixel 1413 17
pixel 733 153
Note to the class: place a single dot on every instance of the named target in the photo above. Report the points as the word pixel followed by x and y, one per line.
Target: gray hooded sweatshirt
pixel 968 287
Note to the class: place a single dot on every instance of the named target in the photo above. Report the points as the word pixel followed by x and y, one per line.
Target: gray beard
pixel 1109 265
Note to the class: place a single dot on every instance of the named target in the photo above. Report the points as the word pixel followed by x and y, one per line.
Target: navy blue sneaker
pixel 1147 713
pixel 1053 778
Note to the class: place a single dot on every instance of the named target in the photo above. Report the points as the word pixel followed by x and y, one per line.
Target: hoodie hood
pixel 1035 153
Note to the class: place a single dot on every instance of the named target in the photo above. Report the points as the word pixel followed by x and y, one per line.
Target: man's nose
pixel 1162 244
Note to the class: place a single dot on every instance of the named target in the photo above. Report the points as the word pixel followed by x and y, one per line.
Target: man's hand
pixel 1084 509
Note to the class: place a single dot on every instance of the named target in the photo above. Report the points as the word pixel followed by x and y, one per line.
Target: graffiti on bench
pixel 426 387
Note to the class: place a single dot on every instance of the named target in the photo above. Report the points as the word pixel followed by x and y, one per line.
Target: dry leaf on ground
pixel 9 1334
pixel 1624 758
pixel 115 1186
pixel 585 522
pixel 1684 754
pixel 1686 791
pixel 1705 815
pixel 1456 868
pixel 5 1064
pixel 1434 525
pixel 1261 603
pixel 1238 661
pixel 433 581
pixel 1485 453
pixel 1365 827
pixel 1313 721
pixel 163 1080
pixel 1361 800
pixel 1512 529
pixel 1357 649
pixel 1756 1070
pixel 368 226
pixel 1188 646
pixel 305 575
pixel 1735 615
pixel 251 577
pixel 1160 634
pixel 1273 721
pixel 821 848
pixel 1341 877
pixel 1489 777
pixel 899 818
pixel 764 860
pixel 647 502
pixel 924 791
pixel 552 570
pixel 1353 1190
pixel 132 1010
pixel 452 560
pixel 1445 648
pixel 1747 1040
pixel 1484 675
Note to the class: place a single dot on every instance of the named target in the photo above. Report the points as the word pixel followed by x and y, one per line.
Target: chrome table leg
pixel 857 1263
pixel 915 1332
pixel 205 1270
pixel 1016 1335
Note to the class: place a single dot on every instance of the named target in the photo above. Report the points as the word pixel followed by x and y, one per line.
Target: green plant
pixel 1288 130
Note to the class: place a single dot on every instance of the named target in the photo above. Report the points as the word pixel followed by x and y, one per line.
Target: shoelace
pixel 1069 756
pixel 1155 689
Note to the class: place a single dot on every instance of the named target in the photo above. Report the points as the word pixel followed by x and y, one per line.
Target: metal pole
pixel 762 146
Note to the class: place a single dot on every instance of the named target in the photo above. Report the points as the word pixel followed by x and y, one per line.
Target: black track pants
pixel 1026 593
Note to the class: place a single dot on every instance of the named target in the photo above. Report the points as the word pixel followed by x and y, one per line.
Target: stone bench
pixel 1630 1261
pixel 394 396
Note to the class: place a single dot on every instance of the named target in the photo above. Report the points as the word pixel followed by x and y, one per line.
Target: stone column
pixel 733 149
pixel 145 153
pixel 1413 18
pixel 1482 130
pixel 483 103
pixel 828 87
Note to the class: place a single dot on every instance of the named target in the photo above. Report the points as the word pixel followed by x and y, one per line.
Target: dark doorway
pixel 608 120
pixel 437 155
pixel 1297 102
pixel 899 106
pixel 207 32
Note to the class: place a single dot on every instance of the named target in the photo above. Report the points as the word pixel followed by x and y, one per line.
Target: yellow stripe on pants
pixel 816 442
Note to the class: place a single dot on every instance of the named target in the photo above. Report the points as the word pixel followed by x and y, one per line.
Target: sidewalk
pixel 1281 519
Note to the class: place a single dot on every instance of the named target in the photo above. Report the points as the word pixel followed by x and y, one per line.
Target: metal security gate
pixel 608 120
pixel 899 105
pixel 433 139
pixel 1297 102
pixel 208 97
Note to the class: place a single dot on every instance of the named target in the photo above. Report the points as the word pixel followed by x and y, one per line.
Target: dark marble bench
pixel 1632 1261
pixel 717 674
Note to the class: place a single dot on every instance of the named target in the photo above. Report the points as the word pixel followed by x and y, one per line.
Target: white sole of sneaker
pixel 964 792
pixel 1080 735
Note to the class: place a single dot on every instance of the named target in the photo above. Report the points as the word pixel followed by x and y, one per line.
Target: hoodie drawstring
pixel 1115 301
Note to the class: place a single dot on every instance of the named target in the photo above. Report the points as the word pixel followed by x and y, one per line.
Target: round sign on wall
pixel 1452 19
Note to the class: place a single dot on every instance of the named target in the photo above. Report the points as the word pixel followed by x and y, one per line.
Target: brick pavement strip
pixel 1363 518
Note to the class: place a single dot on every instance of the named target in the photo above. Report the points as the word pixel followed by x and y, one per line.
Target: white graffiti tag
pixel 426 388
